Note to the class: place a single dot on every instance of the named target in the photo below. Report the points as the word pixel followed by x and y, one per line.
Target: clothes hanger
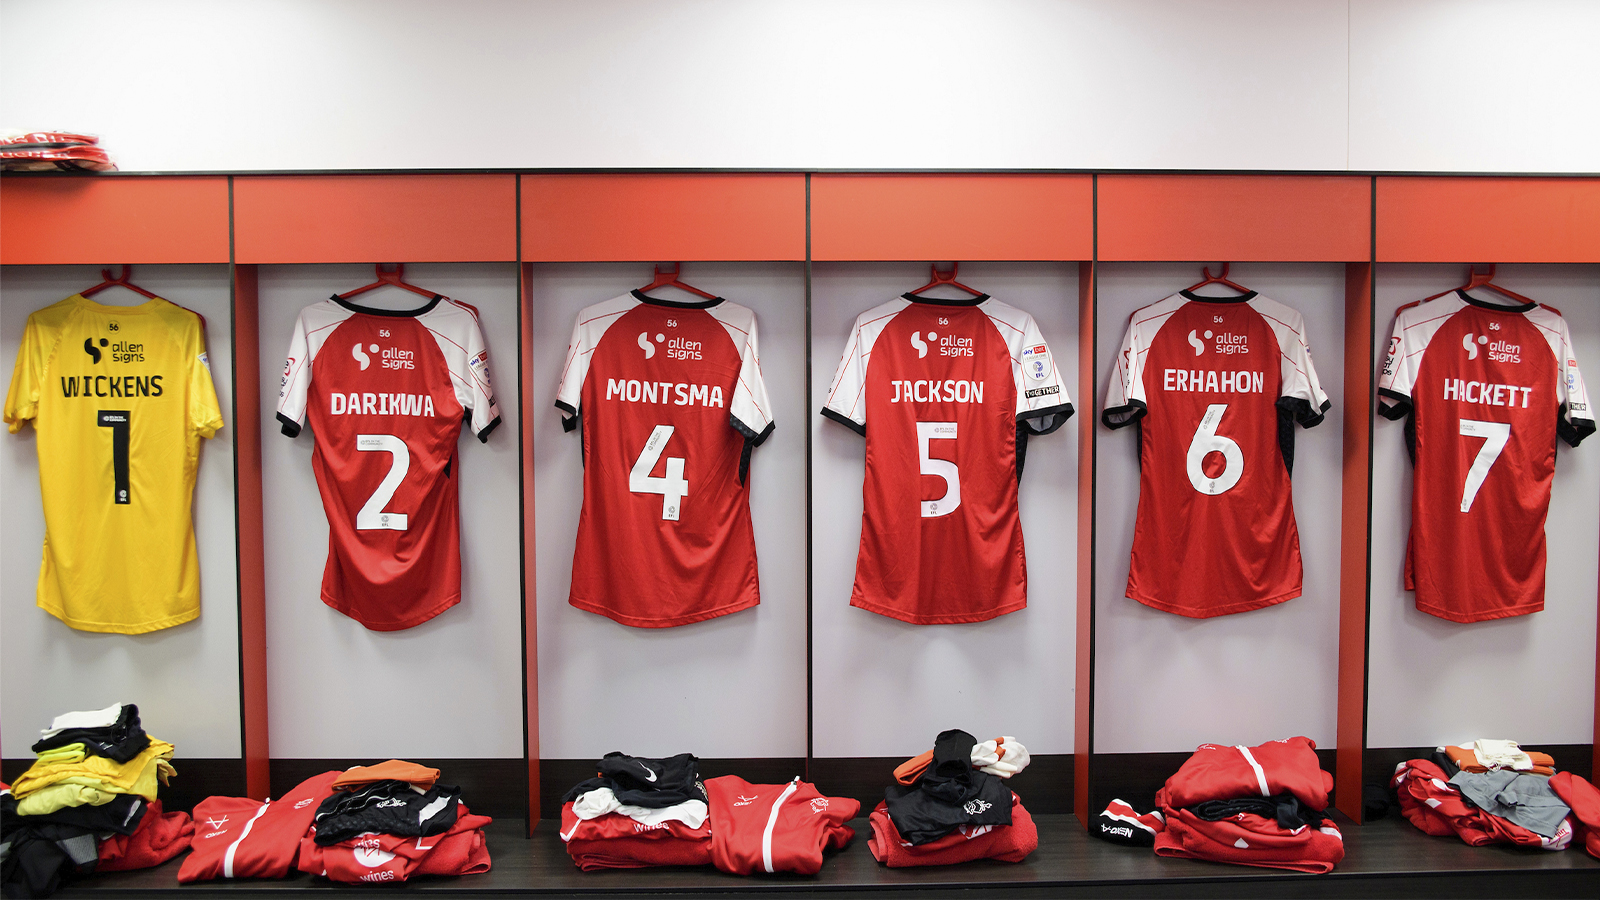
pixel 1219 278
pixel 118 281
pixel 393 279
pixel 947 279
pixel 1476 279
pixel 670 279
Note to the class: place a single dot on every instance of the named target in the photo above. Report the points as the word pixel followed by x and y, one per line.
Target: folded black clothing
pixel 387 807
pixel 121 816
pixel 950 793
pixel 34 858
pixel 1285 807
pixel 121 741
pixel 641 781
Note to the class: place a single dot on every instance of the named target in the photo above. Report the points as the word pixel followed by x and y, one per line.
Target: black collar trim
pixel 1242 298
pixel 642 297
pixel 1484 304
pixel 942 301
pixel 391 313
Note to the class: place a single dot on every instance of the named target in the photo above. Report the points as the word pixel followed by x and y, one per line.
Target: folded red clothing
pixel 1584 800
pixel 1003 843
pixel 1247 839
pixel 1216 772
pixel 391 858
pixel 237 837
pixel 616 825
pixel 158 838
pixel 1431 803
pixel 775 827
pixel 638 853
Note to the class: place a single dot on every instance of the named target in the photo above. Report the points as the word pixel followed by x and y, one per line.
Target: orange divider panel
pixel 663 218
pixel 375 218
pixel 112 220
pixel 1083 673
pixel 1488 219
pixel 1276 218
pixel 251 532
pixel 1355 526
pixel 530 618
pixel 955 217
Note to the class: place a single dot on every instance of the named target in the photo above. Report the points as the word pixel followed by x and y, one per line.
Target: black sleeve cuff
pixel 1046 420
pixel 569 417
pixel 290 427
pixel 1575 430
pixel 1123 416
pixel 755 439
pixel 1400 409
pixel 483 436
pixel 846 421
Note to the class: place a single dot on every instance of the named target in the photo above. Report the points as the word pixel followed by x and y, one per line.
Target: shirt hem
pixel 961 619
pixel 639 622
pixel 1213 612
pixel 121 627
pixel 1468 618
pixel 340 606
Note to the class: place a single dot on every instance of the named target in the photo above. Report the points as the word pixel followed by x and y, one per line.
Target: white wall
pixel 452 686
pixel 1527 678
pixel 883 687
pixel 1169 683
pixel 729 687
pixel 186 85
pixel 47 668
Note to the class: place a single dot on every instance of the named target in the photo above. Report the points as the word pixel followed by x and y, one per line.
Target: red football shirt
pixel 946 393
pixel 386 393
pixel 1215 385
pixel 671 402
pixel 1487 389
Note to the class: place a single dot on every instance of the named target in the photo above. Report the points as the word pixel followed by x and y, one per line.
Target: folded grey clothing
pixel 121 740
pixel 121 816
pixel 642 781
pixel 1286 808
pixel 387 807
pixel 1519 797
pixel 950 793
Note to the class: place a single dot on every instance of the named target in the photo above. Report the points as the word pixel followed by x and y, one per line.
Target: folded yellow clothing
pixel 65 753
pixel 136 776
pixel 60 796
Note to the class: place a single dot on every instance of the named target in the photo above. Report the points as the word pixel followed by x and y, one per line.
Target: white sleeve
pixel 1399 373
pixel 1577 416
pixel 573 372
pixel 473 387
pixel 750 413
pixel 846 403
pixel 1308 402
pixel 1125 397
pixel 1042 401
pixel 296 384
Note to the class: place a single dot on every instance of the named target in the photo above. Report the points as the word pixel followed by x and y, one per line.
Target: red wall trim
pixel 1083 705
pixel 375 218
pixel 1355 527
pixel 167 219
pixel 663 218
pixel 954 217
pixel 1277 218
pixel 1488 219
pixel 251 532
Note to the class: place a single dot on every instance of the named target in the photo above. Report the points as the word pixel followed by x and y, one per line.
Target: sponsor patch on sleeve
pixel 1041 392
pixel 1036 362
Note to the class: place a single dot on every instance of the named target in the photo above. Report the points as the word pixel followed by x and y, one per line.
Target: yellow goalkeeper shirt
pixel 119 397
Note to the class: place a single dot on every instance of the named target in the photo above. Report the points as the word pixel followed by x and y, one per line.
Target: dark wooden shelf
pixel 1385 858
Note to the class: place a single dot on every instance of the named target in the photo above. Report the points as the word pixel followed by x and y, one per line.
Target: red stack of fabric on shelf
pixel 46 151
pixel 950 805
pixel 639 812
pixel 382 823
pixel 1250 806
pixel 1487 792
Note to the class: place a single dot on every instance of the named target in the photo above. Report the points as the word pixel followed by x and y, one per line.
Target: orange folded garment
pixel 909 771
pixel 1466 759
pixel 392 770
